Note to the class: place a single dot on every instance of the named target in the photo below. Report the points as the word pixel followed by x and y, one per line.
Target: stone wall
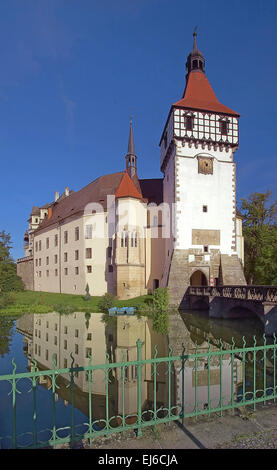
pixel 25 270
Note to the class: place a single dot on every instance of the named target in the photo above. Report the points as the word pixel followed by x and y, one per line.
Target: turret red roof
pixel 127 188
pixel 199 94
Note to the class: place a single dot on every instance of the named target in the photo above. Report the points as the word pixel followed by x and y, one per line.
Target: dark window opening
pixel 189 123
pixel 205 208
pixel 195 64
pixel 206 249
pixel 224 127
pixel 110 268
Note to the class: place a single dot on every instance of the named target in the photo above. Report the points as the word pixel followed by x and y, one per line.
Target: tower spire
pixel 195 60
pixel 131 159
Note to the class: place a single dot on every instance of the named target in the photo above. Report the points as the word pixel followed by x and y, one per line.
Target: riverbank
pixel 45 302
pixel 243 430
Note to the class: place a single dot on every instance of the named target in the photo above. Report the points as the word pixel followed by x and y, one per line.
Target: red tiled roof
pixel 127 188
pixel 96 191
pixel 199 94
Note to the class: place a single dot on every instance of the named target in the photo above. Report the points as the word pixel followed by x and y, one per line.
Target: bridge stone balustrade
pixel 236 302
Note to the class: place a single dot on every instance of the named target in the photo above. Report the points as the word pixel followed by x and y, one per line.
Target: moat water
pixel 41 339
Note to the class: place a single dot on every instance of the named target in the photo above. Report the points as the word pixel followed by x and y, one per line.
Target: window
pixel 65 330
pixel 55 340
pixel 76 270
pixel 76 233
pixel 36 246
pixel 76 349
pixel 88 231
pixel 56 240
pixel 155 221
pixel 65 271
pixel 65 257
pixel 223 126
pixel 110 268
pixel 65 344
pixel 65 363
pixel 39 245
pixel 56 272
pixel 76 333
pixel 47 273
pixel 109 252
pixel 206 249
pixel 89 336
pixel 47 259
pixel 205 208
pixel 125 239
pixel 36 262
pixel 39 262
pixel 88 253
pixel 88 352
pixel 89 269
pixel 188 122
pixel 46 337
pixel 56 259
pixel 56 326
pixel 47 242
pixel 46 354
pixel 76 254
pixel 65 237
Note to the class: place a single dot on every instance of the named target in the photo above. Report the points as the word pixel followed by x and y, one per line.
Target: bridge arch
pixel 198 278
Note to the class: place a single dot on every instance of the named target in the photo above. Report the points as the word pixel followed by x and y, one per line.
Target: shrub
pixel 160 310
pixel 106 302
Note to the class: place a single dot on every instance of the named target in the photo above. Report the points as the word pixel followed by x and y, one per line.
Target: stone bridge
pixel 236 302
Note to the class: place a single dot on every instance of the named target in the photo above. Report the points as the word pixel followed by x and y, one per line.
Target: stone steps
pixel 231 271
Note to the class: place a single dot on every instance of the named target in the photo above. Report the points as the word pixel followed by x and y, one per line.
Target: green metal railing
pixel 216 387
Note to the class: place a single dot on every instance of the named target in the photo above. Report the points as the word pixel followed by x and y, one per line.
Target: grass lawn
pixel 44 302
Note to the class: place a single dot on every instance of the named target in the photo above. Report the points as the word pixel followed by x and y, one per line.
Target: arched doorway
pixel 198 278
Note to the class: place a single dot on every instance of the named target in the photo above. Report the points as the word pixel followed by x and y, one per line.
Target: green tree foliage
pixel 9 281
pixel 107 301
pixel 160 310
pixel 260 238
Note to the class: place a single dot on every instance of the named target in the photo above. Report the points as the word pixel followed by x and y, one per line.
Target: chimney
pixel 66 191
pixel 50 212
pixel 57 195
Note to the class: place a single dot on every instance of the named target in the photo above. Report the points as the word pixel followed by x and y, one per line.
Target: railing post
pixel 139 343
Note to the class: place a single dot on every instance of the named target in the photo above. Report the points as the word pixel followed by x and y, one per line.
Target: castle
pixel 126 235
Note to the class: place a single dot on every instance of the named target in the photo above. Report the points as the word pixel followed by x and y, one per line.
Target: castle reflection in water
pixel 55 336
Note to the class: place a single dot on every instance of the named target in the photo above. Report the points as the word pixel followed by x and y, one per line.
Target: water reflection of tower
pixel 180 337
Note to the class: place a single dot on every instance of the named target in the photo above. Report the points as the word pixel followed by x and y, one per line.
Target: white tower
pixel 197 159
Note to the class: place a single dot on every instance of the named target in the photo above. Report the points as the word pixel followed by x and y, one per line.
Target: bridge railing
pixel 258 293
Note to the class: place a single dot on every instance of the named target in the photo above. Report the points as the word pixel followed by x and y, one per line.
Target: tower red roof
pixel 199 94
pixel 127 188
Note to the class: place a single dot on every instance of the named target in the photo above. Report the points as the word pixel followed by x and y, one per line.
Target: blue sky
pixel 73 70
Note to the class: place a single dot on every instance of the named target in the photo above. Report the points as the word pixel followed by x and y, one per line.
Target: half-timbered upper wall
pixel 206 126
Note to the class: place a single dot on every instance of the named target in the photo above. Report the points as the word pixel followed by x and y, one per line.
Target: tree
pixel 9 281
pixel 260 238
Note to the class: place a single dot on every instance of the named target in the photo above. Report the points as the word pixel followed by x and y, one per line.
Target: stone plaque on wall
pixel 205 237
pixel 205 165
